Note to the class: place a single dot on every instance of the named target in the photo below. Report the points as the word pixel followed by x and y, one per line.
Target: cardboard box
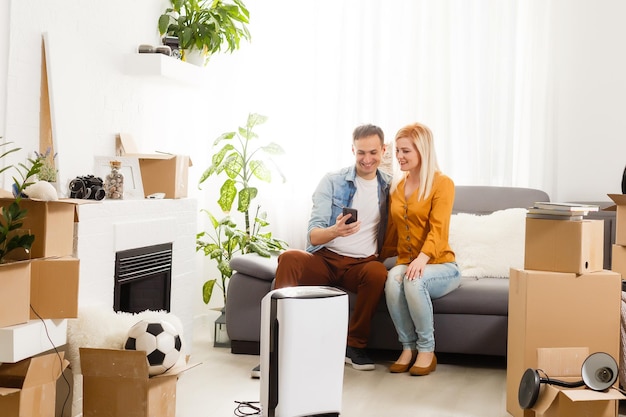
pixel 160 172
pixel 28 387
pixel 14 293
pixel 564 246
pixel 618 260
pixel 620 217
pixel 556 309
pixel 52 223
pixel 565 364
pixel 116 384
pixel 54 288
pixel 164 174
pixel 28 339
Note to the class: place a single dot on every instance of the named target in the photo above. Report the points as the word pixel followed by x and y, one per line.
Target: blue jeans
pixel 410 305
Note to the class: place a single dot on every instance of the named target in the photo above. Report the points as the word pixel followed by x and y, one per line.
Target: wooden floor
pixel 461 386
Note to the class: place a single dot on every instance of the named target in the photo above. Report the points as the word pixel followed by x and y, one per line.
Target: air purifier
pixel 303 346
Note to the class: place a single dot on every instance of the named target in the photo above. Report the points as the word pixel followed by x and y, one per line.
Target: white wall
pixel 589 40
pixel 93 98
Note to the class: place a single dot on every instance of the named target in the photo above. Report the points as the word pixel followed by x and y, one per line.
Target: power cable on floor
pixel 247 408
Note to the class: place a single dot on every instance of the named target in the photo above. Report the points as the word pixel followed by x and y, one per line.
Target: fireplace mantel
pixel 105 227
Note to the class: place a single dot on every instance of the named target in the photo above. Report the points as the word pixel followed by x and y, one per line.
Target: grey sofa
pixel 470 320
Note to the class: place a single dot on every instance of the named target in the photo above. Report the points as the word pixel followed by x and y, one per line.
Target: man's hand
pixel 343 229
pixel 339 229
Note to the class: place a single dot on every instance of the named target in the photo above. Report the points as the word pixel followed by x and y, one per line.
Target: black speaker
pixel 624 182
pixel 599 372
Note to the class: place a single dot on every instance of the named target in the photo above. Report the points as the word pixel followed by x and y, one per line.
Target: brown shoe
pixel 398 368
pixel 419 371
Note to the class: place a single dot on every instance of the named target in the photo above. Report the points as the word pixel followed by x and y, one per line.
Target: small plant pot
pixel 195 57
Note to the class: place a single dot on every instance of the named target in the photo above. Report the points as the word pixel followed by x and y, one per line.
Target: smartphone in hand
pixel 353 212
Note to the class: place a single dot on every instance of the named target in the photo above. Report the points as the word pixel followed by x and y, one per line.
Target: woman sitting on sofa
pixel 417 233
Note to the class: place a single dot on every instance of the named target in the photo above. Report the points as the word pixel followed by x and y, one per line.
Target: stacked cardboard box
pixel 618 259
pixel 38 293
pixel 562 299
pixel 28 387
pixel 44 286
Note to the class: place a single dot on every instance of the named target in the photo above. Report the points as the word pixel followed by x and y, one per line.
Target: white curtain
pixel 475 71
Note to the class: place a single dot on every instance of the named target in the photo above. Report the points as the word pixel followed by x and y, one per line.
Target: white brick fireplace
pixel 109 226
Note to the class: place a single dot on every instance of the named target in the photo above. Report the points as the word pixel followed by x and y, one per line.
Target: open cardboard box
pixel 28 387
pixel 558 310
pixel 620 217
pixel 160 172
pixel 565 364
pixel 564 245
pixel 116 383
pixel 52 223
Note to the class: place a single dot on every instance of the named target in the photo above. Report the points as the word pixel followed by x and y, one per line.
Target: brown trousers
pixel 363 276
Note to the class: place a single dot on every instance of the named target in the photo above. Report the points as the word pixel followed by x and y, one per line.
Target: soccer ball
pixel 161 342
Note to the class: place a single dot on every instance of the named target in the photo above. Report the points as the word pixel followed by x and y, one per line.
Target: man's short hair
pixel 364 131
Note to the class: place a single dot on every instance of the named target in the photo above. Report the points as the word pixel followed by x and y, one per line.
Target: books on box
pixel 559 211
pixel 575 207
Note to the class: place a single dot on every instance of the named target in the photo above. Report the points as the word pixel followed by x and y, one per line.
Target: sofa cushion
pixel 255 265
pixel 488 245
pixel 484 296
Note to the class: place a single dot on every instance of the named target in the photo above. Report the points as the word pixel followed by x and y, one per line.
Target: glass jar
pixel 114 182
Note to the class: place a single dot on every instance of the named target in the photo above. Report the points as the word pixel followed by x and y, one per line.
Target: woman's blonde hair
pixel 422 138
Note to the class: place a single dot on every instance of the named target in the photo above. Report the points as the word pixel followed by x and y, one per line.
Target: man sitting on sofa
pixel 342 250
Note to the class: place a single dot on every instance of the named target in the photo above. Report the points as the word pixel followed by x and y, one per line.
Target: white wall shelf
pixel 165 67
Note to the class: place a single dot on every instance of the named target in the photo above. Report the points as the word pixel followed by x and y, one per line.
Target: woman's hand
pixel 417 266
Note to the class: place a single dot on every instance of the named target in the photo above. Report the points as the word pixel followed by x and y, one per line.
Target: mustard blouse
pixel 420 226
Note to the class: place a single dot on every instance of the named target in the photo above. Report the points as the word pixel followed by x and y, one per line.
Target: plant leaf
pixel 207 290
pixel 259 170
pixel 227 195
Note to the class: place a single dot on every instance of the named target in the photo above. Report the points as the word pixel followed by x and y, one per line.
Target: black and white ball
pixel 161 342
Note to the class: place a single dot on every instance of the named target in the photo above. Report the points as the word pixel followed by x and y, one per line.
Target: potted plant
pixel 48 171
pixel 205 27
pixel 12 215
pixel 242 160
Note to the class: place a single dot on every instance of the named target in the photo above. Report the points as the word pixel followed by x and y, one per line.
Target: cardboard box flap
pixel 178 368
pixel 547 395
pixel 44 369
pixel 118 363
pixel 561 362
pixel 591 395
pixel 8 391
pixel 12 374
pixel 618 199
pixel 125 146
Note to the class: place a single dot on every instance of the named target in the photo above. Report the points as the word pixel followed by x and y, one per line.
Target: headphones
pixel 599 372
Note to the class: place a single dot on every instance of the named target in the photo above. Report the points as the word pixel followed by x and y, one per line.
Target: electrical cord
pixel 69 387
pixel 247 408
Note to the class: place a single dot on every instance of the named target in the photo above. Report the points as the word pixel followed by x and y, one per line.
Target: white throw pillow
pixel 488 245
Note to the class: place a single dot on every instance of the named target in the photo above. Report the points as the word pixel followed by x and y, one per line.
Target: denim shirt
pixel 334 192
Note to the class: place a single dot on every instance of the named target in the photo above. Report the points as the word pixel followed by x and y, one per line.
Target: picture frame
pixel 133 186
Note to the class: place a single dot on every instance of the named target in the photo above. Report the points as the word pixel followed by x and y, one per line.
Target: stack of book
pixel 559 211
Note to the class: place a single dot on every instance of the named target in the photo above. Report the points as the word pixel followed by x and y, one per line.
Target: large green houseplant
pixel 205 27
pixel 242 158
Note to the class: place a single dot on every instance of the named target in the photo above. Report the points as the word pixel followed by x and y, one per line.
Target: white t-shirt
pixel 364 242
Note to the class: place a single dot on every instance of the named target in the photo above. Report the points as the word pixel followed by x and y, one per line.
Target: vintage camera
pixel 87 188
pixel 174 44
